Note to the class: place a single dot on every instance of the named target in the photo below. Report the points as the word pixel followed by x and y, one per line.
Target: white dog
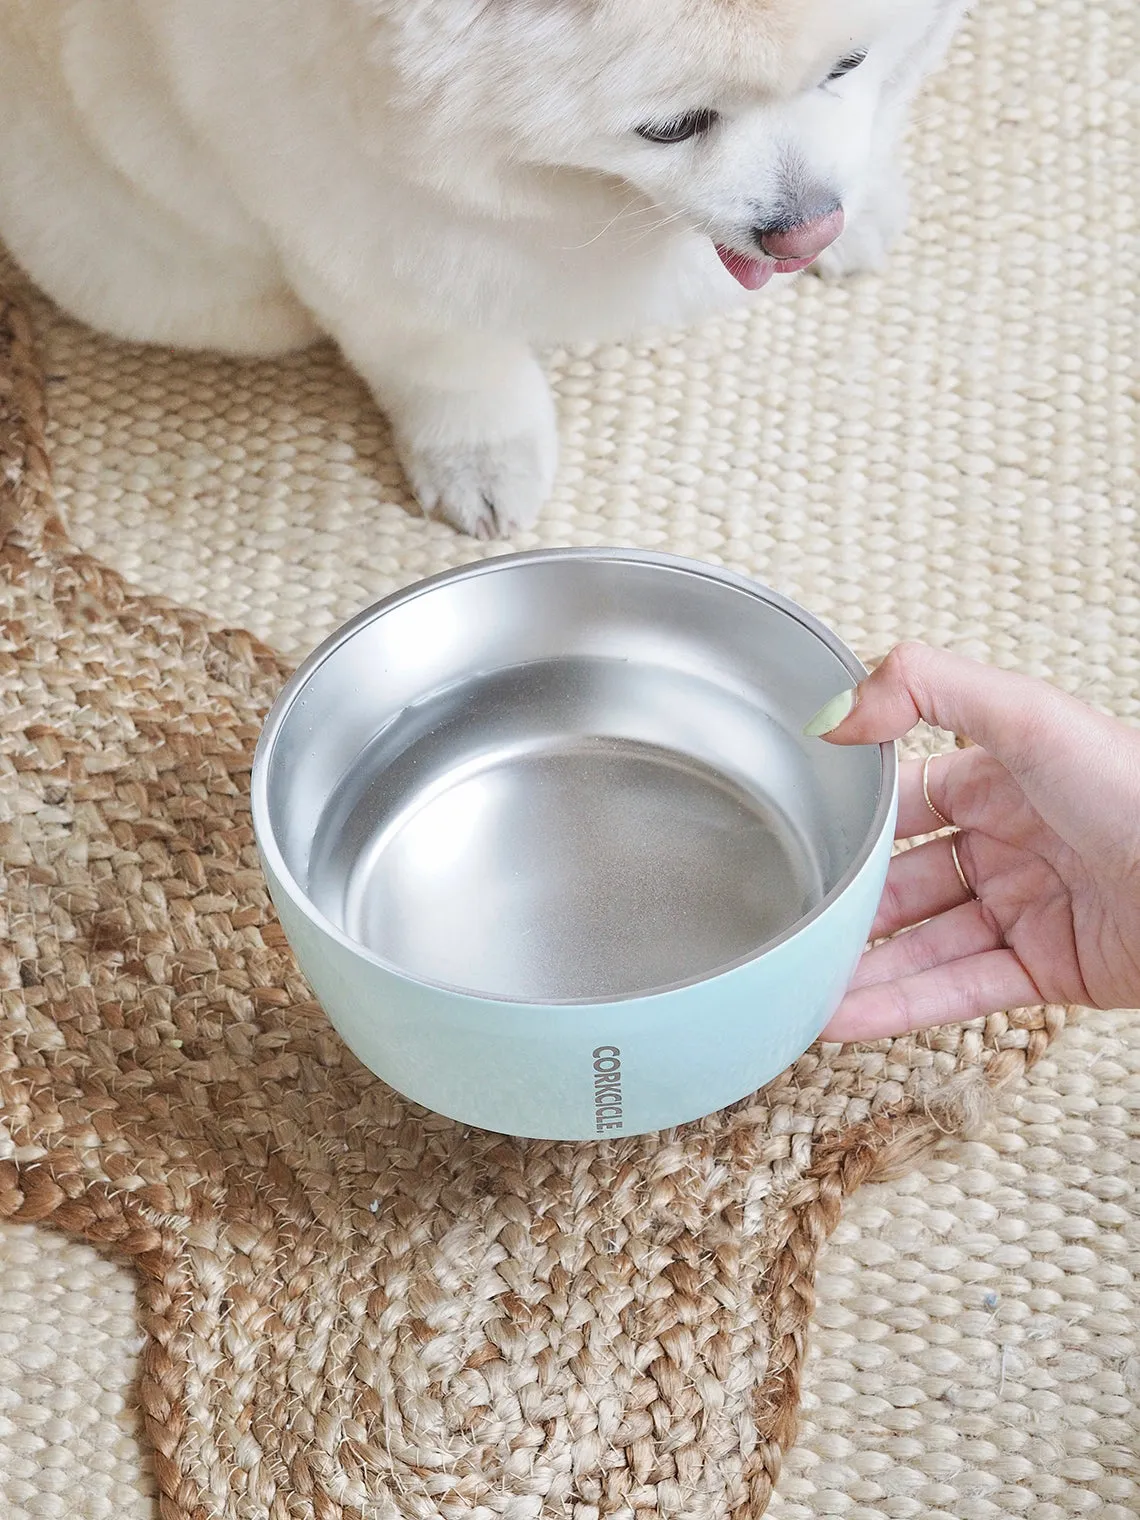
pixel 438 184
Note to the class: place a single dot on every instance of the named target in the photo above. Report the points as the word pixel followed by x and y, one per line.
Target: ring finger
pixel 921 882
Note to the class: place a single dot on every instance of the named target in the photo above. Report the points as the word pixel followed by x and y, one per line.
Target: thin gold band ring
pixel 957 859
pixel 942 818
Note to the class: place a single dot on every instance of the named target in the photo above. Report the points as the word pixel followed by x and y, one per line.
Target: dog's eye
pixel 680 129
pixel 845 65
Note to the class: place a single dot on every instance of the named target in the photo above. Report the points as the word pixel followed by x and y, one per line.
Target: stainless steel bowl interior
pixel 568 777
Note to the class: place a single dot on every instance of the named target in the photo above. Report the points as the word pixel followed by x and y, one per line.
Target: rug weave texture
pixel 945 451
pixel 353 1306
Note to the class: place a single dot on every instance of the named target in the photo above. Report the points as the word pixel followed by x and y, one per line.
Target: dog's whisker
pixel 633 209
pixel 623 211
pixel 640 234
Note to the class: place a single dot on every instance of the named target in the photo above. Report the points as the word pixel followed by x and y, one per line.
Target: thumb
pixel 1016 718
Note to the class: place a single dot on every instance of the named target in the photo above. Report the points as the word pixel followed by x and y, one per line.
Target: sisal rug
pixel 352 1306
pixel 944 451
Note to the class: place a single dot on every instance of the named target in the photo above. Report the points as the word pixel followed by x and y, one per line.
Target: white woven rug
pixel 945 451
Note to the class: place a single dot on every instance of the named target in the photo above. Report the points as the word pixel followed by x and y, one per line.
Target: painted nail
pixel 830 715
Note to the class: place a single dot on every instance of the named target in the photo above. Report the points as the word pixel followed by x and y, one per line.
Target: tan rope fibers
pixel 352 1307
pixel 945 451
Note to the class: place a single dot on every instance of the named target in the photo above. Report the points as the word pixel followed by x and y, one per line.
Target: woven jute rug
pixel 945 451
pixel 353 1306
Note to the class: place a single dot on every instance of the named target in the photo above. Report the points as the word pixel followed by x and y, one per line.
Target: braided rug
pixel 272 1290
pixel 352 1307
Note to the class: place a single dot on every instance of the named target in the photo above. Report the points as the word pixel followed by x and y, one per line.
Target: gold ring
pixel 957 859
pixel 942 818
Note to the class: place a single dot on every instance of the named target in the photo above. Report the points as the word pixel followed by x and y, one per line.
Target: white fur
pixel 438 184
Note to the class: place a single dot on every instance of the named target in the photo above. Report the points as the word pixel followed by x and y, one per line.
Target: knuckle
pixel 890 909
pixel 992 925
pixel 904 1015
pixel 907 661
pixel 905 675
pixel 916 955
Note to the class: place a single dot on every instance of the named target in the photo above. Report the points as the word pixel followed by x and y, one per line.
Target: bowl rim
pixel 279 873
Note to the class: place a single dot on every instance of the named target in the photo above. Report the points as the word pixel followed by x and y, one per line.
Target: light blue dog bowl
pixel 548 842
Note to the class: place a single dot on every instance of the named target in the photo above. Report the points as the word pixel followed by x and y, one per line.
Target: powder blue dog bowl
pixel 548 842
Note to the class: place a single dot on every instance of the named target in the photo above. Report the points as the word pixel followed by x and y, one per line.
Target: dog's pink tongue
pixel 752 273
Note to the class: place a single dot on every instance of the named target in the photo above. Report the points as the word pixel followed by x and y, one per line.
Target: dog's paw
pixel 869 235
pixel 483 459
pixel 490 488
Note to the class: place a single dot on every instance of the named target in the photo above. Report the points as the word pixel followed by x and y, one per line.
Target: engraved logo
pixel 607 1088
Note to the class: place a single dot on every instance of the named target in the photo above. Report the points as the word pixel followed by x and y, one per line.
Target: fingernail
pixel 830 715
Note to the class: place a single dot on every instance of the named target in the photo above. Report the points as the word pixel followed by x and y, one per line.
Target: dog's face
pixel 752 120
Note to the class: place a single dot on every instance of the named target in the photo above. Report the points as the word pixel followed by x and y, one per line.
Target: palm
pixel 1046 925
pixel 1036 894
pixel 1047 905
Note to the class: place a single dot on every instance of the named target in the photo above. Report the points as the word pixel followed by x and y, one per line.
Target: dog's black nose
pixel 805 237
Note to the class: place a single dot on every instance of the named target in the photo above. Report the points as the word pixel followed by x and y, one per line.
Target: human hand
pixel 1046 805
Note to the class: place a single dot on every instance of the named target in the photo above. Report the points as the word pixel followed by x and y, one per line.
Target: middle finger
pixel 964 930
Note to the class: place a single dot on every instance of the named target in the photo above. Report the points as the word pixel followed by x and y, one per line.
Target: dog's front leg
pixel 879 214
pixel 472 417
pixel 474 425
pixel 873 227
